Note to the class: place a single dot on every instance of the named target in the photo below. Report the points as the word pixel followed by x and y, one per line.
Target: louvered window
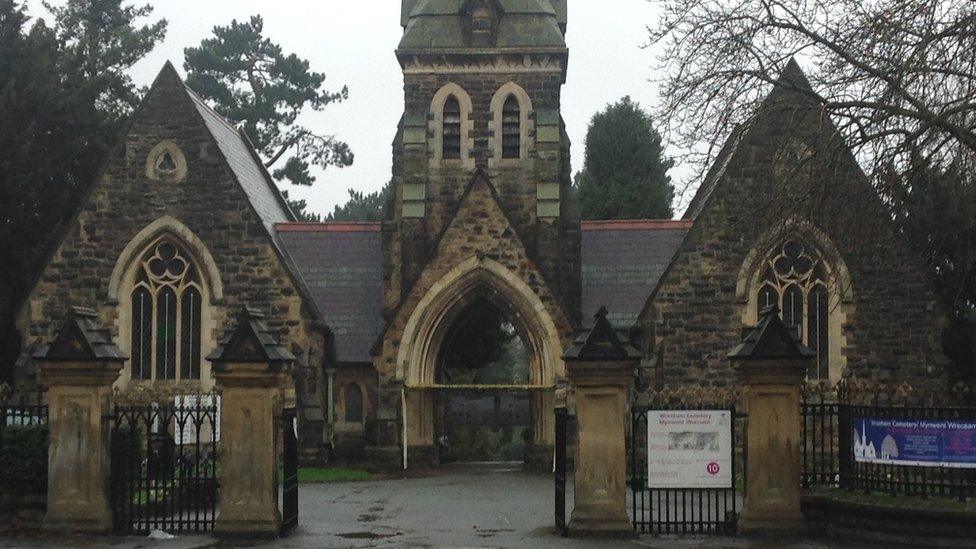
pixel 511 129
pixel 452 129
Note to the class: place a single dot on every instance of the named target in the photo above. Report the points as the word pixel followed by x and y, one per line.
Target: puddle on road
pixel 367 535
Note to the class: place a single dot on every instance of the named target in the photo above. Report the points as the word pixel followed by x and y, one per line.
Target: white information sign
pixel 689 449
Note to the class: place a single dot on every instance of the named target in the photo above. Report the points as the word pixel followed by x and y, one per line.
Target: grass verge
pixel 317 475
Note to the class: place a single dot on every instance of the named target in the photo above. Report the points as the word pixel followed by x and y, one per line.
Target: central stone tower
pixel 482 208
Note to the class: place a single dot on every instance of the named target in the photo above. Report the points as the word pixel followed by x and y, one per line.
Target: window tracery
pixel 166 315
pixel 795 279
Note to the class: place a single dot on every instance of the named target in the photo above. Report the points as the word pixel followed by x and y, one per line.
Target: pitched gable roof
pixel 622 262
pixel 243 162
pixel 791 88
pixel 342 262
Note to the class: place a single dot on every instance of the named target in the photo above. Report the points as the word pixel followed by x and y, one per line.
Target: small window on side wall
pixel 511 129
pixel 354 403
pixel 452 129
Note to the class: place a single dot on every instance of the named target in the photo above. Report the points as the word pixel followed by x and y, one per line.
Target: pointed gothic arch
pixel 153 231
pixel 505 96
pixel 817 302
pixel 165 286
pixel 431 320
pixel 446 300
pixel 465 125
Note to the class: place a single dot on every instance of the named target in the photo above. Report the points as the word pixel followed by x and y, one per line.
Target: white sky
pixel 353 43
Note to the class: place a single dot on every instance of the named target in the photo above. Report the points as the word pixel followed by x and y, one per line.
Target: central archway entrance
pixel 494 424
pixel 504 390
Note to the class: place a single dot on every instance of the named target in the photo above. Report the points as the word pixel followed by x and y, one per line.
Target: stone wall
pixel 552 243
pixel 695 317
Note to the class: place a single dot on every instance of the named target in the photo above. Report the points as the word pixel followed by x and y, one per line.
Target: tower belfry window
pixel 452 129
pixel 511 129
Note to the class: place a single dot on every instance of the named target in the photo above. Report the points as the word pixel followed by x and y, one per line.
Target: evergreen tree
pixel 625 172
pixel 101 42
pixel 363 207
pixel 59 120
pixel 248 78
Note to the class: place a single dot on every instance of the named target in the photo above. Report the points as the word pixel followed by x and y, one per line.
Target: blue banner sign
pixel 918 442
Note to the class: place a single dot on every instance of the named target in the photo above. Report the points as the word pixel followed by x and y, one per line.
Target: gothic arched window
pixel 452 129
pixel 511 128
pixel 794 279
pixel 354 403
pixel 166 315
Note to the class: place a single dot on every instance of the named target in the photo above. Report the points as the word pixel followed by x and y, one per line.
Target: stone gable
pixel 207 202
pixel 479 229
pixel 890 320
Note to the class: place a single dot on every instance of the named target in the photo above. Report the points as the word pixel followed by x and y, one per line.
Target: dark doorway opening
pixel 482 415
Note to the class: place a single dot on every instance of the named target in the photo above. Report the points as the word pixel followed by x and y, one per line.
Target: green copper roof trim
pixel 437 24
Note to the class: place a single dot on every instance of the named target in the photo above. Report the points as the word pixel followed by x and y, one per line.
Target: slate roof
pixel 250 340
pixel 622 262
pixel 342 264
pixel 437 24
pixel 255 181
pixel 81 337
pixel 250 172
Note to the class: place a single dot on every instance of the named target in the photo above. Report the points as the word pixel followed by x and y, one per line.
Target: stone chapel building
pixel 184 226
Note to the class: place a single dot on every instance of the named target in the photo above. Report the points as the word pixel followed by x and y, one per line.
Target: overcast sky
pixel 353 43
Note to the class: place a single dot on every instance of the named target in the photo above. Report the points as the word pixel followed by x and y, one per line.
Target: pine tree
pixel 249 79
pixel 625 172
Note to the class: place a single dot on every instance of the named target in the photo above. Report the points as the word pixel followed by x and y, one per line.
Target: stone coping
pixel 841 516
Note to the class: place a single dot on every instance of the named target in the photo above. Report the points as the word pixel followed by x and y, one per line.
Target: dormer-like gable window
pixel 480 19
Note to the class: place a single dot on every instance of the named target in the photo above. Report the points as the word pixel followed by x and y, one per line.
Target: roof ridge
pixel 203 102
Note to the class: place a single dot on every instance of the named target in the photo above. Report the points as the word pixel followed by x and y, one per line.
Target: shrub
pixel 23 460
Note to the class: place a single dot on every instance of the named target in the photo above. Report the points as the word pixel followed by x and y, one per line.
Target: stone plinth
pixel 78 368
pixel 251 400
pixel 770 366
pixel 601 369
pixel 253 373
pixel 602 392
pixel 78 396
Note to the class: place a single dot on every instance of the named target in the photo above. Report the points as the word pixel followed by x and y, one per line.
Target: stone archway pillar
pixel 601 373
pixel 79 369
pixel 252 371
pixel 770 365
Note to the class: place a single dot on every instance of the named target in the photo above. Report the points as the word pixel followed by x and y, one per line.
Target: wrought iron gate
pixel 289 489
pixel 562 417
pixel 164 466
pixel 678 510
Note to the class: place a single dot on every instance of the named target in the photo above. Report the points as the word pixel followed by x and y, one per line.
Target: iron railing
pixel 23 442
pixel 560 466
pixel 164 472
pixel 289 489
pixel 709 511
pixel 828 450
